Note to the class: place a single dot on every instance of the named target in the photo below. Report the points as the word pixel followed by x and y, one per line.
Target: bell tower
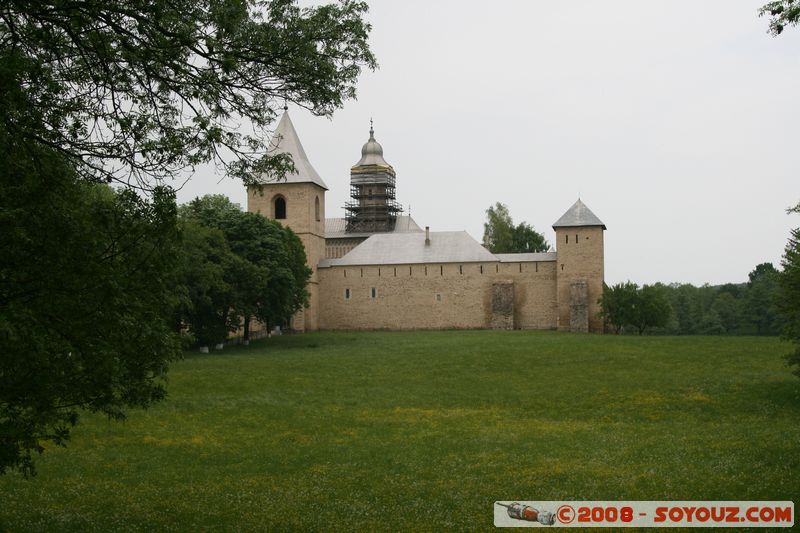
pixel 372 207
pixel 299 203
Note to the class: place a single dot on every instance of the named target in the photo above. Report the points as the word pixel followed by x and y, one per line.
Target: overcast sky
pixel 677 122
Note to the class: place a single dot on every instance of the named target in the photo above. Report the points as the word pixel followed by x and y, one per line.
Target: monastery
pixel 378 269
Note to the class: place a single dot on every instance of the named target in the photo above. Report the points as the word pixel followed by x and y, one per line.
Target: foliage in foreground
pixel 133 90
pixel 783 13
pixel 790 293
pixel 85 295
pixel 93 91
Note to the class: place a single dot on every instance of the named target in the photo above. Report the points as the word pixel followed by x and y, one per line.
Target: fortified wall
pixel 376 268
pixel 437 296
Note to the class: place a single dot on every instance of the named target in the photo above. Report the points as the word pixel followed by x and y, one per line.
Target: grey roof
pixel 527 257
pixel 409 248
pixel 286 141
pixel 578 215
pixel 335 228
pixel 372 152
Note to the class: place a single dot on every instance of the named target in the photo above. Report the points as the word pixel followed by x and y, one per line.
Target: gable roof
pixel 578 215
pixel 286 141
pixel 410 248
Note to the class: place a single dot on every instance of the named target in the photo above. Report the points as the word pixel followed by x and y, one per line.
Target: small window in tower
pixel 566 239
pixel 460 269
pixel 280 208
pixel 438 297
pixel 347 294
pixel 562 266
pixel 373 293
pixel 481 269
pixel 576 238
pixel 316 208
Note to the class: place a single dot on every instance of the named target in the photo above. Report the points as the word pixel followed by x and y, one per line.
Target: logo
pixel 527 513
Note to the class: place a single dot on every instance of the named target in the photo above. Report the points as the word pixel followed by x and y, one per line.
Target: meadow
pixel 417 431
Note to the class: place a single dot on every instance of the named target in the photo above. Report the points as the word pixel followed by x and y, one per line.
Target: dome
pixel 372 152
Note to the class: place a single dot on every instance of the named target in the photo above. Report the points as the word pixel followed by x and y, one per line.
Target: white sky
pixel 676 121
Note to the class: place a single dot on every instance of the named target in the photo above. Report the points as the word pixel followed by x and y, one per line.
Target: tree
pixel 500 235
pixel 85 294
pixel 526 239
pixel 783 13
pixel 205 276
pixel 789 296
pixel 498 229
pixel 760 300
pixel 617 303
pixel 651 308
pixel 128 91
pixel 625 304
pixel 132 92
pixel 728 310
pixel 268 280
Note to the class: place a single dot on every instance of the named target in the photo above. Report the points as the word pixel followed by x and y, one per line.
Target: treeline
pixel 749 308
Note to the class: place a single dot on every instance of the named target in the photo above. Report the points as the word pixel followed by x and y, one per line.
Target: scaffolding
pixel 373 207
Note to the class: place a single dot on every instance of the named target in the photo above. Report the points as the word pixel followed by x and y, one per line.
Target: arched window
pixel 316 207
pixel 280 207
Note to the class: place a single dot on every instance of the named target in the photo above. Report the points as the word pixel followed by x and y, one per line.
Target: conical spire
pixel 286 141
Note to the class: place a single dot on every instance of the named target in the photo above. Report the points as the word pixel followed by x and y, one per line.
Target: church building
pixel 378 269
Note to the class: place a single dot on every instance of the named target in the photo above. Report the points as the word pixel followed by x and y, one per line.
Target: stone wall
pixel 578 306
pixel 502 305
pixel 580 258
pixel 434 296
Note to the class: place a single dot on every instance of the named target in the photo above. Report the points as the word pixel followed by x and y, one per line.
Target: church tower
pixel 299 203
pixel 373 207
pixel 579 269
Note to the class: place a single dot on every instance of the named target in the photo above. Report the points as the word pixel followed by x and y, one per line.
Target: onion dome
pixel 372 152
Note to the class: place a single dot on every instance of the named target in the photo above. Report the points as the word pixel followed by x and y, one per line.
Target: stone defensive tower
pixel 299 203
pixel 579 269
pixel 373 207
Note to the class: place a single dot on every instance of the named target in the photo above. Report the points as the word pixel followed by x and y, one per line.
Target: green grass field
pixel 424 431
